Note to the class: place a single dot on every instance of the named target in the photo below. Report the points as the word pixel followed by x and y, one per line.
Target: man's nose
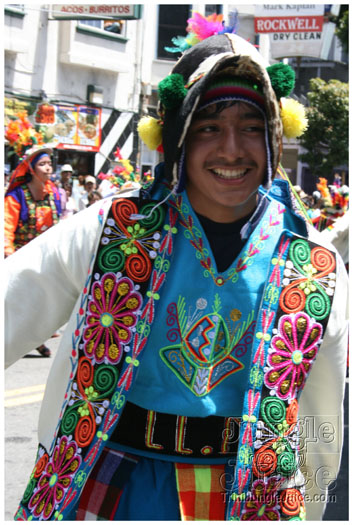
pixel 231 144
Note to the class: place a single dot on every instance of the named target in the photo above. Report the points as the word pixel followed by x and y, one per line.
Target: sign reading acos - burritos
pixel 96 11
pixel 293 29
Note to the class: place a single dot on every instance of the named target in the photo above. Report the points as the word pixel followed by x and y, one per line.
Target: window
pixel 213 8
pixel 117 27
pixel 172 22
pixel 15 9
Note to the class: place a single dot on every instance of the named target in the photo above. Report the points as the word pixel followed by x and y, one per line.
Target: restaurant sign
pixel 96 11
pixel 293 29
pixel 63 126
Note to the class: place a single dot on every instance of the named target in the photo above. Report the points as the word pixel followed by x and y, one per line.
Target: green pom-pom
pixel 282 79
pixel 171 90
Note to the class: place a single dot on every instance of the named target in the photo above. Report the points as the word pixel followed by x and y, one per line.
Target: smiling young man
pixel 201 312
pixel 225 160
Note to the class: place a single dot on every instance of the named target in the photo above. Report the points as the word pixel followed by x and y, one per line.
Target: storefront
pixel 83 136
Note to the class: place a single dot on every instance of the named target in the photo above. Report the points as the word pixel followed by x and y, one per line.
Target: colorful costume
pixel 174 393
pixel 26 218
pixel 203 349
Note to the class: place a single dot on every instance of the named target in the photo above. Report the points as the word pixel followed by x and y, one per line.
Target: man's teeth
pixel 229 174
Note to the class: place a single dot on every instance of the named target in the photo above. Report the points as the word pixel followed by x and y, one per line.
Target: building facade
pixel 87 73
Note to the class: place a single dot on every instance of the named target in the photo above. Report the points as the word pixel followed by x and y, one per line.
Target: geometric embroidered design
pixel 208 351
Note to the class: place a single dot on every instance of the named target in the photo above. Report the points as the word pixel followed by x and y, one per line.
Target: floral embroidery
pixel 291 354
pixel 262 505
pixel 110 319
pixel 55 480
pixel 289 343
pixel 195 237
pixel 111 326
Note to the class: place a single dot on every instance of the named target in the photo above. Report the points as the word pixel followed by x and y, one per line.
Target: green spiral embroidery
pixel 187 234
pixel 318 305
pixel 118 400
pixel 246 454
pixel 256 377
pixel 272 294
pixel 111 258
pixel 70 420
pixel 161 264
pixel 105 379
pixel 273 412
pixel 80 478
pixel 29 491
pixel 299 253
pixel 286 464
pixel 155 220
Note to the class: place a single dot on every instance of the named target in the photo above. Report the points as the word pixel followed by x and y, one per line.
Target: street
pixel 24 389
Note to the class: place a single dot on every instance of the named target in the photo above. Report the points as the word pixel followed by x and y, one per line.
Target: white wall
pixel 51 55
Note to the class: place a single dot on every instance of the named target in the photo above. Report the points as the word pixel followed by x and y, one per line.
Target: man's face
pixel 89 186
pixel 65 176
pixel 225 161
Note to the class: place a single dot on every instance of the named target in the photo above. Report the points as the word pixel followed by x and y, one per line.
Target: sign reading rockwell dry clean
pixel 294 29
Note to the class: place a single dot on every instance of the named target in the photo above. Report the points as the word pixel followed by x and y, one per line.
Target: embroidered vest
pixel 113 323
pixel 27 230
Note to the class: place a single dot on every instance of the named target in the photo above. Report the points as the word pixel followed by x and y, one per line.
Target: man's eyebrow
pixel 217 115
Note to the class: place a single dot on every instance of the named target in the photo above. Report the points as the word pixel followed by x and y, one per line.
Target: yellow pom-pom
pixel 293 118
pixel 150 132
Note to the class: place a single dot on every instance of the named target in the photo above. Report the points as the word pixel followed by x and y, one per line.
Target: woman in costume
pixel 32 204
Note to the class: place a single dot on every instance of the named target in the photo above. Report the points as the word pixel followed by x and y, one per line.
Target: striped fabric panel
pixel 102 492
pixel 201 492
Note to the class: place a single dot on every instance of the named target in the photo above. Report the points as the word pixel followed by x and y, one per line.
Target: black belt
pixel 178 436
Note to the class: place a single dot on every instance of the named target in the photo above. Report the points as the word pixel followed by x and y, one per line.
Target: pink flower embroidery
pixel 262 505
pixel 292 353
pixel 56 479
pixel 110 319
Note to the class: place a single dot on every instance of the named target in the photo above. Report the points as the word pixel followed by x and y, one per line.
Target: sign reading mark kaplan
pixel 294 29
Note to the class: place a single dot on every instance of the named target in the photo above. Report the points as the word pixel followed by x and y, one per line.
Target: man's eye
pixel 255 129
pixel 207 129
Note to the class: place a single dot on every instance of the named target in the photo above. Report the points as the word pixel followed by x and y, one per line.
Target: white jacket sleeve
pixel 44 279
pixel 321 404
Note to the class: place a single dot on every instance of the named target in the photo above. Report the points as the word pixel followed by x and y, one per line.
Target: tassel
pixel 150 132
pixel 171 90
pixel 282 78
pixel 293 118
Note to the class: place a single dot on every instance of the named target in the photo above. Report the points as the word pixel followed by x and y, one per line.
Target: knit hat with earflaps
pixel 181 91
pixel 199 66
